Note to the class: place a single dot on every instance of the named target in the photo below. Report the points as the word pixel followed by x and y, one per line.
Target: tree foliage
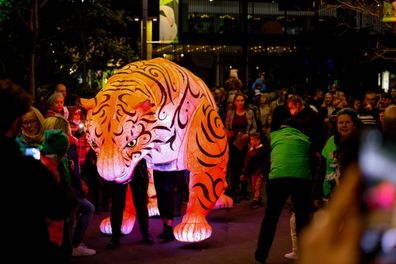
pixel 70 39
pixel 368 17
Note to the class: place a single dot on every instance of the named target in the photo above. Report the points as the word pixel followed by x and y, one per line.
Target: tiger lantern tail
pixel 160 111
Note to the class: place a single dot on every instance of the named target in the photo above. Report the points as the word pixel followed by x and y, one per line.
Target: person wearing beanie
pixel 54 149
pixel 55 142
pixel 56 103
pixel 70 175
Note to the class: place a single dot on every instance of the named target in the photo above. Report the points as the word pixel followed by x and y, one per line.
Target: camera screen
pixel 33 152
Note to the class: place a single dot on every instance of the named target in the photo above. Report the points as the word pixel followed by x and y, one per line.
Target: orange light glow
pixel 160 111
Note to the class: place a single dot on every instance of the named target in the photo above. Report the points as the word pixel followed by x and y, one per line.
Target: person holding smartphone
pixel 36 196
pixel 31 131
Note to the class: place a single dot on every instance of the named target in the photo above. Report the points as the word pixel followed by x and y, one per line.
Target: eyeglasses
pixel 29 122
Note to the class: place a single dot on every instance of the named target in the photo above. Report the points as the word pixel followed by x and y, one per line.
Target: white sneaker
pixel 82 250
pixel 291 255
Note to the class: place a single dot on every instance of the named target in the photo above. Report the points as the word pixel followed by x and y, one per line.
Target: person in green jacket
pixel 293 147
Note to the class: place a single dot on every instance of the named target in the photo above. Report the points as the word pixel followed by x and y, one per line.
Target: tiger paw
pixel 152 207
pixel 128 221
pixel 193 228
pixel 224 201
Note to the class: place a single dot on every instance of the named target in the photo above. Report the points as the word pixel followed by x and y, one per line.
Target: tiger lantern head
pixel 118 131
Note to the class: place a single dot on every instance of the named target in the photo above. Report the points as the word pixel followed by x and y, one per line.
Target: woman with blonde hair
pixel 32 130
pixel 57 122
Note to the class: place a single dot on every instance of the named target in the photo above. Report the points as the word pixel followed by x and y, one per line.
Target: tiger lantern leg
pixel 152 205
pixel 207 158
pixel 128 218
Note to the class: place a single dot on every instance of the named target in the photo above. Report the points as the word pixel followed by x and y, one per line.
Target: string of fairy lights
pixel 174 51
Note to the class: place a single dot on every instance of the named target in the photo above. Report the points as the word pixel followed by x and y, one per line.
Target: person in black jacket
pixel 36 195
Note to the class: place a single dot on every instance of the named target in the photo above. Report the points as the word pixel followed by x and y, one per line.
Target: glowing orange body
pixel 159 111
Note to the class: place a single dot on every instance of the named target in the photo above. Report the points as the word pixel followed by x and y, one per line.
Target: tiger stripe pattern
pixel 160 111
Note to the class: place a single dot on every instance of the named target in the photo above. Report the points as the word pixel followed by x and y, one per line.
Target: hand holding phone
pixel 33 152
pixel 377 162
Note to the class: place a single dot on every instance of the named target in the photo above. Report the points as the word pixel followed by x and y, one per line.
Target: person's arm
pixel 246 166
pixel 334 234
pixel 317 184
pixel 252 118
pixel 228 123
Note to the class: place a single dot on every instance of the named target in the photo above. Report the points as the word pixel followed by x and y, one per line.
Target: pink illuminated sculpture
pixel 160 111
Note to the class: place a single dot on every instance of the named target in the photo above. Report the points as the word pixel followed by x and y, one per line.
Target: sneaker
pixel 291 255
pixel 82 250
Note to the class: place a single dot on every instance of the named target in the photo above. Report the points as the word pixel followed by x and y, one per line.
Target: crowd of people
pixel 310 139
pixel 283 144
pixel 50 135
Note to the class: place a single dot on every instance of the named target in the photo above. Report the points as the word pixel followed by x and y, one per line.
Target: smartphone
pixel 377 162
pixel 33 152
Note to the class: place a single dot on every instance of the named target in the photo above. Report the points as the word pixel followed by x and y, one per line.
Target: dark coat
pixel 33 196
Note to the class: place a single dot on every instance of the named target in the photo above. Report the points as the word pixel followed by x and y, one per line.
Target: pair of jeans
pixel 84 216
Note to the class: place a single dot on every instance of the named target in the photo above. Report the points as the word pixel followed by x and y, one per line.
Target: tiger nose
pixel 109 166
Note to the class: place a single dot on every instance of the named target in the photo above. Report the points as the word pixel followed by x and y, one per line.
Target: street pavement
pixel 233 241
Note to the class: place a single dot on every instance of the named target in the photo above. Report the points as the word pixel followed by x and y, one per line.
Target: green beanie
pixel 55 142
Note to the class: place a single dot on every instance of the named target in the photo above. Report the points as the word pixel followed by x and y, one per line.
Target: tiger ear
pixel 88 104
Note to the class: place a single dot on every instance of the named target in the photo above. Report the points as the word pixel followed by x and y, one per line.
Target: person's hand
pixel 334 234
pixel 84 187
pixel 72 166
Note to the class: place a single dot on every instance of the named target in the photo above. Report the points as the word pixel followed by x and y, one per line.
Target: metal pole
pixel 144 30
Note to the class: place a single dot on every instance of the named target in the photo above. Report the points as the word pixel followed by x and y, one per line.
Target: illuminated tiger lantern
pixel 160 111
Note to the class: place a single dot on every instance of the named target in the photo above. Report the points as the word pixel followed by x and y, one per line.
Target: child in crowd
pixel 54 150
pixel 256 168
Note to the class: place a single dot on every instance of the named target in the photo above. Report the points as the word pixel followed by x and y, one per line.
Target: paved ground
pixel 233 241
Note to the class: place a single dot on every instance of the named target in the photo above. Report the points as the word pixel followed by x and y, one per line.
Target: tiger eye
pixel 132 143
